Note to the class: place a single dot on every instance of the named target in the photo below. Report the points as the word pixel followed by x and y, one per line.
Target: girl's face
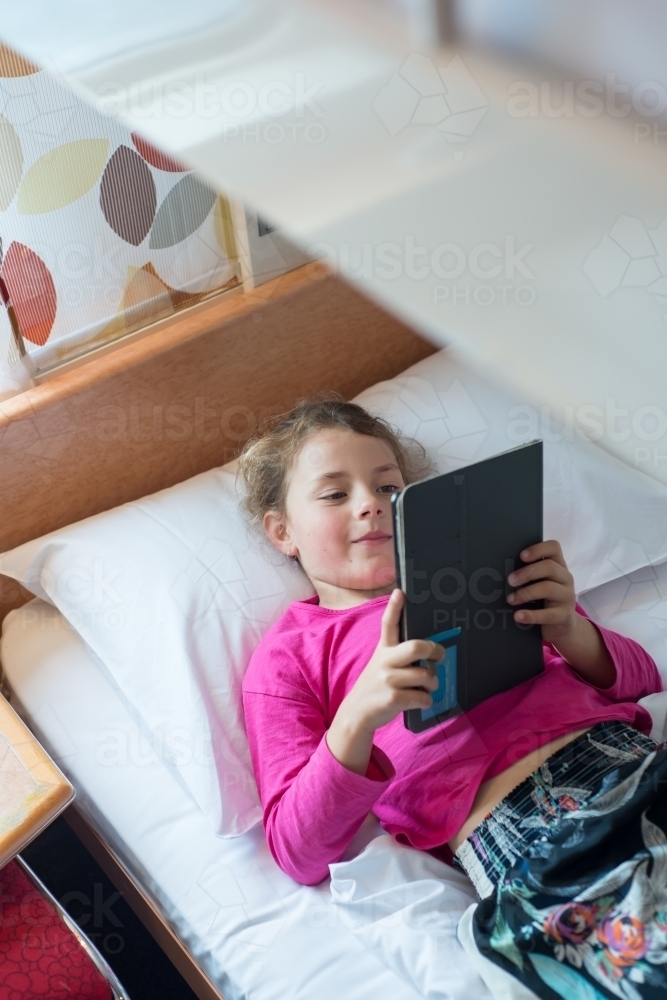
pixel 339 516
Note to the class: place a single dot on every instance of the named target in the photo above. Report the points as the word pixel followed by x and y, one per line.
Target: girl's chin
pixel 379 576
pixel 358 577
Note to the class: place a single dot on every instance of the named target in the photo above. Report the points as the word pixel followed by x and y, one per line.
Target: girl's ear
pixel 277 533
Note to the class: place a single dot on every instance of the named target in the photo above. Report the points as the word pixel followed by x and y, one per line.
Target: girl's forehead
pixel 340 446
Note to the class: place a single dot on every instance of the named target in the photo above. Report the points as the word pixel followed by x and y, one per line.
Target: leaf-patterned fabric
pixel 572 868
pixel 100 233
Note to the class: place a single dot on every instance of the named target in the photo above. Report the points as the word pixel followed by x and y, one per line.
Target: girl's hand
pixel 545 577
pixel 388 683
pixel 576 638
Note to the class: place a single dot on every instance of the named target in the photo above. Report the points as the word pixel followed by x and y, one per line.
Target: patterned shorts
pixel 571 868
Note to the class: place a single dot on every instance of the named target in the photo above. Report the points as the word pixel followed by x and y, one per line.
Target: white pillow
pixel 172 594
pixel 610 519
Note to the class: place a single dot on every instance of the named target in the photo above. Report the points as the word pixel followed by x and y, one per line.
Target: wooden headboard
pixel 184 398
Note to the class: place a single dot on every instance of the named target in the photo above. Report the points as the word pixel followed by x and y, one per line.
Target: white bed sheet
pixel 255 931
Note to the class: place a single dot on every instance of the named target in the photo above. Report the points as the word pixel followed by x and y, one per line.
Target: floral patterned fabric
pixel 572 866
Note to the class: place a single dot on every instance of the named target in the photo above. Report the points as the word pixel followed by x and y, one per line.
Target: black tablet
pixel 457 537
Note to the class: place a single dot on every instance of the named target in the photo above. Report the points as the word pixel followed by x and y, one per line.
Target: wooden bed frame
pixel 178 401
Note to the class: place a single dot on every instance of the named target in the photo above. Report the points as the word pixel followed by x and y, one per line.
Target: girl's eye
pixel 341 493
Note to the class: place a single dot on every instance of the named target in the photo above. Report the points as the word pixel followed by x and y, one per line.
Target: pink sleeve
pixel 636 673
pixel 312 805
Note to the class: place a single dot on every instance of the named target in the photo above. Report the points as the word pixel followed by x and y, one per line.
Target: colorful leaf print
pixel 564 981
pixel 62 175
pixel 224 227
pixel 11 163
pixel 214 281
pixel 145 300
pixel 32 292
pixel 156 157
pixel 145 296
pixel 127 196
pixel 182 212
pixel 13 65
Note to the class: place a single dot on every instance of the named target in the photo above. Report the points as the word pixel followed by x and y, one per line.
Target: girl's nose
pixel 370 505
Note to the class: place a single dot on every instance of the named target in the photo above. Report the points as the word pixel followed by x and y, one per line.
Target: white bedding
pixel 386 924
pixel 255 931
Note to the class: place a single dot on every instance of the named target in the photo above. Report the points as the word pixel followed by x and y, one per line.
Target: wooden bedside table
pixel 43 953
pixel 32 789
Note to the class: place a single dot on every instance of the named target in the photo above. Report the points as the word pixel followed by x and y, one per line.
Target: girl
pixel 547 795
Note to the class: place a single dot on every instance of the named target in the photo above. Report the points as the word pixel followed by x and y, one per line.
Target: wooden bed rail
pixel 184 398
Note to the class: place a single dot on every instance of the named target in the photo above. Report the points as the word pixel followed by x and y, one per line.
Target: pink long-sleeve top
pixel 420 786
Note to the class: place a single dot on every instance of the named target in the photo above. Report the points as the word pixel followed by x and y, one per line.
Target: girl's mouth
pixel 373 538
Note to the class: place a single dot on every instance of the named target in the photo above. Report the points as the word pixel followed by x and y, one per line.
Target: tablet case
pixel 457 536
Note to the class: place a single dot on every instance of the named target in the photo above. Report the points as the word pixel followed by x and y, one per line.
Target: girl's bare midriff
pixel 494 791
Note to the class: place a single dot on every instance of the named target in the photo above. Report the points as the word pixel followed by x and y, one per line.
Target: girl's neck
pixel 339 598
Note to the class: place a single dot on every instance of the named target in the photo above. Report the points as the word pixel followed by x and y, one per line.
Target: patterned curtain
pixel 100 233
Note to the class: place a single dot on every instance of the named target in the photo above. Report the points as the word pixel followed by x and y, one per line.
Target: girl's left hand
pixel 546 577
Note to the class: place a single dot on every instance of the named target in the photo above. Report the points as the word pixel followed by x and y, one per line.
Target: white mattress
pixel 254 930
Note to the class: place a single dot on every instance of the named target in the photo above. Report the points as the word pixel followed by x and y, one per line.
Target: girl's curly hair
pixel 266 458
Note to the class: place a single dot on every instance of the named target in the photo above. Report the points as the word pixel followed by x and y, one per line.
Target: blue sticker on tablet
pixel 445 697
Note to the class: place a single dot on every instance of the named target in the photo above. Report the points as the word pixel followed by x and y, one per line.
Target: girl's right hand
pixel 388 683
